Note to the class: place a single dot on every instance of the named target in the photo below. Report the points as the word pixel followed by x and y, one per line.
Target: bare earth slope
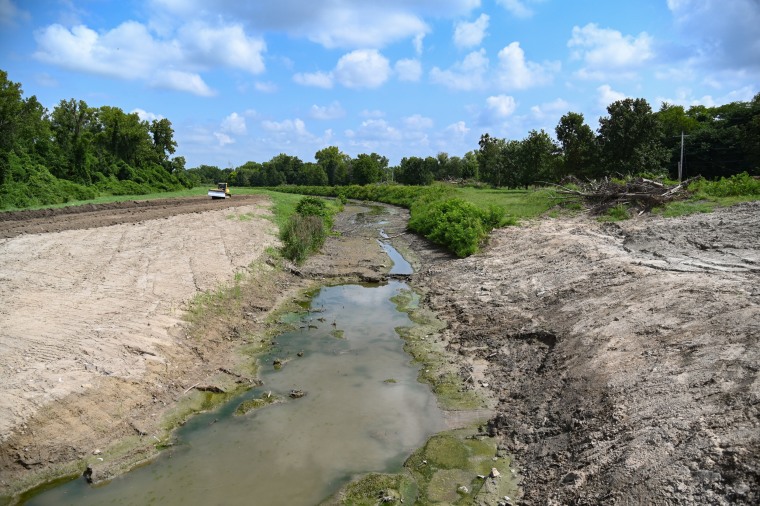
pixel 91 338
pixel 625 356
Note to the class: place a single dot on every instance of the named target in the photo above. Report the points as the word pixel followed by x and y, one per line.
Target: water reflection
pixel 351 420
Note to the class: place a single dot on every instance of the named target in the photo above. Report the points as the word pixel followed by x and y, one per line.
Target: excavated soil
pixel 623 358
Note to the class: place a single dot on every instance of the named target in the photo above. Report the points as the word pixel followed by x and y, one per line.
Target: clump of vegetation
pixel 454 223
pixel 253 404
pixel 306 230
pixel 739 185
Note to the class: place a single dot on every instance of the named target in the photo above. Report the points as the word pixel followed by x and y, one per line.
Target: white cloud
pixel 363 68
pixel 335 24
pixel 145 115
pixel 468 74
pixel 468 35
pixel 501 105
pixel 235 124
pixel 418 122
pixel 607 53
pixel 607 96
pixel 459 128
pixel 295 125
pixel 516 73
pixel 223 139
pixel 408 70
pixel 372 113
pixel 332 111
pixel 549 110
pixel 317 79
pixel 182 81
pixel 417 41
pixel 265 86
pixel 131 52
pixel 518 8
pixel 226 45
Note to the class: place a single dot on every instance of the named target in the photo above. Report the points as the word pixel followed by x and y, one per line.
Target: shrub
pixel 301 236
pixel 454 223
pixel 739 185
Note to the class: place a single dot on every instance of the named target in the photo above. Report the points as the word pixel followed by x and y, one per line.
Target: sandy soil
pixel 624 356
pixel 91 335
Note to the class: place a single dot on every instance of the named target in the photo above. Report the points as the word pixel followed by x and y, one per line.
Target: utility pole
pixel 680 164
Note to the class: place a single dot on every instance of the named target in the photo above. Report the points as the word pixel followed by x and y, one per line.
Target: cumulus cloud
pixel 724 34
pixel 501 105
pixel 467 35
pixel 606 52
pixel 408 70
pixel 265 86
pixel 145 115
pixel 516 73
pixel 223 139
pixel 548 110
pixel 226 45
pixel 363 68
pixel 469 74
pixel 182 81
pixel 518 8
pixel 316 79
pixel 335 24
pixel 607 96
pixel 235 124
pixel 130 51
pixel 418 122
pixel 374 132
pixel 459 128
pixel 332 111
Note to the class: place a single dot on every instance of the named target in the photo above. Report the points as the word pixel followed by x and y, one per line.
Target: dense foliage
pixel 306 229
pixel 459 226
pixel 77 152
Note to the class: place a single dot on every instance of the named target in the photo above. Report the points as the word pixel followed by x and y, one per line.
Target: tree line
pixel 77 152
pixel 632 139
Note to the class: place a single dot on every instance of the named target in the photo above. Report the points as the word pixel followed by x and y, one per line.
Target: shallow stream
pixel 362 410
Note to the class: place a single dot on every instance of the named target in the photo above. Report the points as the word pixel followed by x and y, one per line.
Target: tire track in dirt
pixel 77 303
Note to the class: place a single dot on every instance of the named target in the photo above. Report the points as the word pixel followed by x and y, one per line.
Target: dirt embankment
pixel 624 356
pixel 93 346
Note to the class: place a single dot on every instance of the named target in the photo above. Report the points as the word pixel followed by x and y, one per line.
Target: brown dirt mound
pixel 625 357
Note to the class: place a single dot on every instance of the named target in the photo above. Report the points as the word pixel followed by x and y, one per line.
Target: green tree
pixel 72 124
pixel 491 165
pixel 630 138
pixel 335 164
pixel 537 156
pixel 164 145
pixel 578 146
pixel 312 174
pixel 414 170
pixel 365 169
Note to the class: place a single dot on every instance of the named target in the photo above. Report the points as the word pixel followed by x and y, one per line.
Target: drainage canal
pixel 358 408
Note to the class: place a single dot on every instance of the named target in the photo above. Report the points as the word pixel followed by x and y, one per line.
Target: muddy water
pixel 363 410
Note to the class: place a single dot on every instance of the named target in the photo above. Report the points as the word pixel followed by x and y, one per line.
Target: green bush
pixel 739 185
pixel 454 223
pixel 301 236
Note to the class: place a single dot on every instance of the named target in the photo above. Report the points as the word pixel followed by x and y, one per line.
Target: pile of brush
pixel 640 194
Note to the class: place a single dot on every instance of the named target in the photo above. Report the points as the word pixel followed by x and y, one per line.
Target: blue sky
pixel 246 81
